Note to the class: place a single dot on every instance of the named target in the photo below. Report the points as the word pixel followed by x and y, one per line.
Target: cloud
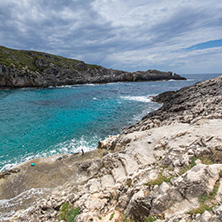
pixel 130 35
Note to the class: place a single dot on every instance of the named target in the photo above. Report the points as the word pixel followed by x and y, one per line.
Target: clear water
pixel 43 122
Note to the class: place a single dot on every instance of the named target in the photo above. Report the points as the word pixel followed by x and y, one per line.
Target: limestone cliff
pixel 165 168
pixel 19 68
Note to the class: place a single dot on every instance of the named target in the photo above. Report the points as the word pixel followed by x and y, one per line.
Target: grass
pixel 126 219
pixel 155 217
pixel 94 66
pixel 207 197
pixel 67 213
pixel 201 209
pixel 150 219
pixel 111 217
pixel 204 199
pixel 206 160
pixel 159 180
pixel 129 182
pixel 110 197
pixel 186 168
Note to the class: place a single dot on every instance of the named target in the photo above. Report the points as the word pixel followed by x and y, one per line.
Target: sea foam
pixel 144 99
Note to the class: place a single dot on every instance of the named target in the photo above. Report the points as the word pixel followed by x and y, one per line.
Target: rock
pixel 163 97
pixel 206 216
pixel 186 105
pixel 139 206
pixel 198 181
pixel 161 168
pixel 43 70
pixel 107 144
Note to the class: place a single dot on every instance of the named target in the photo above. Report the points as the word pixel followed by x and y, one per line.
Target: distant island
pixel 21 68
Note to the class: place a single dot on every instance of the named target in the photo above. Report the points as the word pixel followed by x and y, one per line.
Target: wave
pixel 13 204
pixel 9 164
pixel 68 147
pixel 144 99
pixel 74 146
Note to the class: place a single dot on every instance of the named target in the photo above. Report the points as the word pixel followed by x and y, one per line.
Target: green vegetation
pixel 111 217
pixel 110 197
pixel 159 180
pixel 155 217
pixel 204 199
pixel 186 168
pixel 20 59
pixel 207 197
pixel 220 174
pixel 206 160
pixel 68 213
pixel 150 219
pixel 201 209
pixel 93 66
pixel 129 182
pixel 125 219
pixel 100 218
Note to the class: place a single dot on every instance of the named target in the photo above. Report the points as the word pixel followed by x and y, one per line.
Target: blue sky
pixel 177 35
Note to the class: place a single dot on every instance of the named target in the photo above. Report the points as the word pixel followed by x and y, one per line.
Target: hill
pixel 21 68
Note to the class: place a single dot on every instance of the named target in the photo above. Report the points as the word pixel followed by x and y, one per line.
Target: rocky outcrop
pixel 187 105
pixel 170 171
pixel 35 69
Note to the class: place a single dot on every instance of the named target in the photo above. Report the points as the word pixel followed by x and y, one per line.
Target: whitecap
pixel 76 145
pixel 144 99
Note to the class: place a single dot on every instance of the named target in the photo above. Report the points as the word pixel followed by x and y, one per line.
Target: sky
pixel 183 36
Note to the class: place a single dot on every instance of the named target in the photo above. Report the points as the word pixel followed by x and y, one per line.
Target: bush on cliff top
pixel 22 58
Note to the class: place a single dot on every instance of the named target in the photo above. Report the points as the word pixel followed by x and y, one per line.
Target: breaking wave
pixel 144 99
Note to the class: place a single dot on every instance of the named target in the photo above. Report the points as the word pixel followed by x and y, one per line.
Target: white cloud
pixel 131 35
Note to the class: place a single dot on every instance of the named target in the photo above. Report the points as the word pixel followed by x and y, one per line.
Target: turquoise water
pixel 43 122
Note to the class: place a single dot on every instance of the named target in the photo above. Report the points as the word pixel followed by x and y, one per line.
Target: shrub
pixel 68 213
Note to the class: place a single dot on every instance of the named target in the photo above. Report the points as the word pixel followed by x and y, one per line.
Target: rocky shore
pixel 167 167
pixel 19 68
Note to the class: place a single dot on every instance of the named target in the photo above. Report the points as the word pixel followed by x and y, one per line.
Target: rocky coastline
pixel 165 168
pixel 19 68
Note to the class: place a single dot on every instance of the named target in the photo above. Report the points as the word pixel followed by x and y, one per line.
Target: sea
pixel 38 123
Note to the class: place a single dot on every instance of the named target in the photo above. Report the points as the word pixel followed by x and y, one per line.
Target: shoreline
pixel 37 69
pixel 85 84
pixel 119 176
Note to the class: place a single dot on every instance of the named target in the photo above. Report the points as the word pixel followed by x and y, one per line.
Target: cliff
pixel 19 68
pixel 165 168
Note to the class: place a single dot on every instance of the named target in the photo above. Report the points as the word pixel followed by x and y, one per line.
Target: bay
pixel 43 122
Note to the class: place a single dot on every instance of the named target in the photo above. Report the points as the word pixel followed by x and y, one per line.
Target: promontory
pixel 20 68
